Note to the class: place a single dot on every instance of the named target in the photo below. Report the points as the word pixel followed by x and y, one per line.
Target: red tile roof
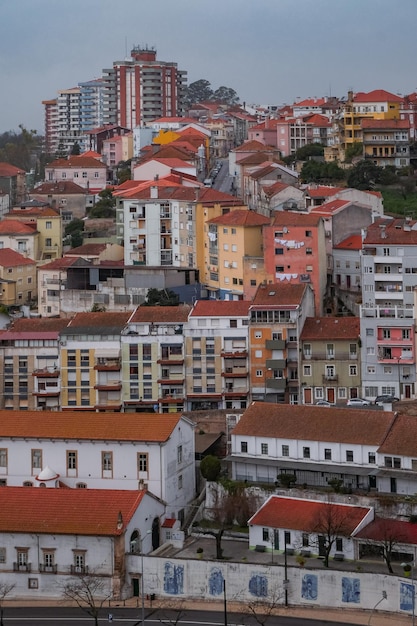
pixel 386 231
pixel 402 437
pixel 58 264
pixel 7 170
pixel 254 146
pixel 221 308
pixel 354 242
pixel 38 325
pixel 67 187
pixel 305 515
pixel 386 529
pixel 87 249
pixel 15 227
pixel 10 258
pixel 385 124
pixel 77 162
pixel 322 328
pixel 92 512
pixel 272 190
pixel 160 314
pixel 331 207
pixel 74 425
pixel 378 95
pixel 312 423
pixel 100 319
pixel 289 218
pixel 322 191
pixel 278 295
pixel 310 102
pixel 317 120
pixel 240 217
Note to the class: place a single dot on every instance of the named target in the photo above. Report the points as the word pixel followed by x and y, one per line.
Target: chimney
pixel 154 191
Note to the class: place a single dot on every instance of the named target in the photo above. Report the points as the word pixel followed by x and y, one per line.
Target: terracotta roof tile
pixel 322 191
pixel 78 162
pixel 7 170
pixel 384 529
pixel 66 511
pixel 87 249
pixel 321 328
pixel 99 320
pixel 14 227
pixel 290 218
pixel 378 95
pixel 304 515
pixel 160 314
pixel 402 437
pixel 385 124
pixel 10 258
pixel 153 427
pixel 279 295
pixel 38 325
pixel 240 217
pixel 328 208
pixel 221 308
pixel 254 146
pixel 386 231
pixel 66 187
pixel 354 242
pixel 312 423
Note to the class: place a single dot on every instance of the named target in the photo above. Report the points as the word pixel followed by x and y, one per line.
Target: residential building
pixel 277 316
pixel 152 347
pixel 64 532
pixel 330 359
pixel 91 106
pixel 29 365
pixel 364 449
pixel 347 274
pixel 17 279
pixel 280 197
pixel 51 125
pixel 408 111
pixel 216 345
pixel 46 221
pixel 90 361
pixel 294 248
pixel 230 238
pixel 378 105
pixel 87 172
pixel 69 120
pixel 258 178
pixel 116 150
pixel 96 451
pixel 13 183
pixel 142 89
pixel 386 142
pixel 20 237
pixel 387 311
pixel 71 200
pixel 294 524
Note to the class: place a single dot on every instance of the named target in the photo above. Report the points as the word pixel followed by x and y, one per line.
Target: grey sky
pixel 269 52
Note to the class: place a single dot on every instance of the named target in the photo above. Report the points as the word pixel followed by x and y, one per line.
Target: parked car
pixel 358 402
pixel 323 403
pixel 386 399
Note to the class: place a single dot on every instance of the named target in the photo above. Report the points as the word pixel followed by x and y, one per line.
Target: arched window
pixel 135 542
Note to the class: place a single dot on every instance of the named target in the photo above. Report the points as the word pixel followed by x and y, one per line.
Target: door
pixel 407 391
pixel 276 540
pixel 330 395
pixel 322 545
pixel 393 485
pixel 135 582
pixel 372 482
pixel 307 396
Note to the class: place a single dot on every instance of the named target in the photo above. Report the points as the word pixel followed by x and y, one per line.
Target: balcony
pixel 227 353
pixel 47 372
pixel 276 383
pixel 275 344
pixel 326 378
pixel 79 569
pixel 109 386
pixel 107 365
pixel 235 372
pixel 22 567
pixel 48 569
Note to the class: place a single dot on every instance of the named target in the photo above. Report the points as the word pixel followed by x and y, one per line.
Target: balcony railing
pixel 79 569
pixel 22 567
pixel 48 569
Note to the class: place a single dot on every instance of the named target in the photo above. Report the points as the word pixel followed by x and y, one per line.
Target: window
pixel 180 481
pixel 107 461
pixel 371 457
pixel 339 544
pixel 81 486
pixel 287 537
pixel 307 370
pixel 306 452
pixel 179 454
pixel 305 540
pixel 327 454
pixel 390 461
pixel 369 332
pixel 233 323
pixel 352 370
pixel 3 457
pixel 285 450
pixel 309 233
pixel 22 557
pixel 2 555
pixel 244 446
pixel 309 250
pixel 349 456
pixel 79 562
pixel 264 448
pixel 36 459
pixel 142 462
pixel 265 534
pixel 48 225
pixel 71 460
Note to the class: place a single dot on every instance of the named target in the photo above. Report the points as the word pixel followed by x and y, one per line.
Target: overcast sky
pixel 270 52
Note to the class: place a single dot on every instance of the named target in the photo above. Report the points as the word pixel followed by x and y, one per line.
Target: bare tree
pixel 5 589
pixel 171 611
pixel 331 523
pixel 263 609
pixel 390 537
pixel 231 505
pixel 88 592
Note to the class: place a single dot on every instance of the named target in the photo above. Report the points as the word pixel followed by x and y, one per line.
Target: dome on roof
pixel 47 474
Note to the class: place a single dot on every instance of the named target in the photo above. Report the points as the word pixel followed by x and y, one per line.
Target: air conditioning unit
pixel 62 343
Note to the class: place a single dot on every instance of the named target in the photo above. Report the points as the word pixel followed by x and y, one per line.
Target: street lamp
pixel 141 540
pixel 267 369
pixel 409 568
pixel 384 597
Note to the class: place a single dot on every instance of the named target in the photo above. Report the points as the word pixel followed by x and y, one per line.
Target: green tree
pixel 74 233
pixel 353 150
pixel 105 206
pixel 364 175
pixel 226 95
pixel 161 297
pixel 76 150
pixel 123 171
pixel 198 91
pixel 319 172
pixel 210 467
pixel 20 149
pixel 309 150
